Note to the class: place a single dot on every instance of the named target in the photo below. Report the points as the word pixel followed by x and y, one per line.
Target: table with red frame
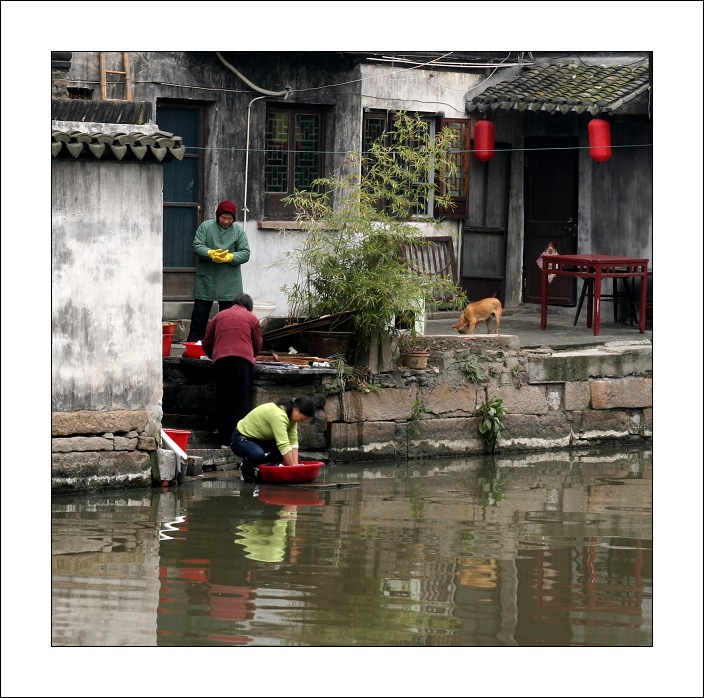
pixel 595 267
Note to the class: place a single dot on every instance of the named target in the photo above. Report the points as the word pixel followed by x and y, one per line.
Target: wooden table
pixel 596 267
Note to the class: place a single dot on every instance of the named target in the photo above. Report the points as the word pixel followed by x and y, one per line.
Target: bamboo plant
pixel 352 254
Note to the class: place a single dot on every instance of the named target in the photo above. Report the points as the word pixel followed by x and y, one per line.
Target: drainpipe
pixel 245 210
pixel 265 93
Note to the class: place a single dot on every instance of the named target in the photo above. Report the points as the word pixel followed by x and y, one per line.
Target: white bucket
pixel 262 309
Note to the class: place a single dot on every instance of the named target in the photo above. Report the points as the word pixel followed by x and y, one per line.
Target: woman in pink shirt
pixel 233 340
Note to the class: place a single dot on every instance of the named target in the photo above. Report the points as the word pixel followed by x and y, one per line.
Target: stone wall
pixel 92 450
pixel 553 400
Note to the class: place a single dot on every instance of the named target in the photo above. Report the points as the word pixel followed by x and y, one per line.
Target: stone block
pixel 388 405
pixel 93 470
pixel 365 441
pixel 81 443
pixel 167 463
pixel 604 424
pixel 444 437
pixel 621 392
pixel 332 408
pixel 194 466
pixel 577 395
pixel 535 432
pixel 561 367
pixel 95 422
pixel 124 444
pixel 528 399
pixel 146 443
pixel 446 402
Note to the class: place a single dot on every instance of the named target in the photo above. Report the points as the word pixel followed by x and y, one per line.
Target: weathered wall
pixel 576 399
pixel 106 318
pixel 553 400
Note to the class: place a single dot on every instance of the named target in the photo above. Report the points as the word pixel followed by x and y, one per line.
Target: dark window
pixel 377 124
pixel 294 143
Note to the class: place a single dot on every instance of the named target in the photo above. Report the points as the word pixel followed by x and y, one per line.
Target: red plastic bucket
pixel 179 436
pixel 168 327
pixel 166 344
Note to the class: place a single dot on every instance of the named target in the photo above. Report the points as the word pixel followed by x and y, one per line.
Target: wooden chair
pixel 626 295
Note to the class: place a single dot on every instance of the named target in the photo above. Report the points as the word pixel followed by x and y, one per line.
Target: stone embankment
pixel 567 399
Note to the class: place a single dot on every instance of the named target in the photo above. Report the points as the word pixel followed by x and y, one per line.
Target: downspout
pixel 265 93
pixel 245 210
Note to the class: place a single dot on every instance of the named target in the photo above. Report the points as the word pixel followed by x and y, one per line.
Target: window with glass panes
pixel 294 155
pixel 378 123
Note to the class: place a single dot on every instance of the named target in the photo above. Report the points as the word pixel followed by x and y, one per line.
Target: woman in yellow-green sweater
pixel 269 434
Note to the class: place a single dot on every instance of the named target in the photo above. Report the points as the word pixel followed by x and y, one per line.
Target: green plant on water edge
pixel 355 377
pixel 490 424
pixel 417 410
pixel 351 256
pixel 471 371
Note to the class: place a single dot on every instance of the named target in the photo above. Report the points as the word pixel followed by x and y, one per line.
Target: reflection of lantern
pixel 484 140
pixel 599 140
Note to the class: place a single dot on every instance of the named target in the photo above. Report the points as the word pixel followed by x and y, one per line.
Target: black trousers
pixel 200 317
pixel 234 382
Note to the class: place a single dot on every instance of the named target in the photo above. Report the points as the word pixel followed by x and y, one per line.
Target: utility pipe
pixel 265 93
pixel 245 210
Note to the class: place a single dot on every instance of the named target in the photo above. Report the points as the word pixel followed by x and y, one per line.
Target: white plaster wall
pixel 106 286
pixel 420 89
pixel 382 87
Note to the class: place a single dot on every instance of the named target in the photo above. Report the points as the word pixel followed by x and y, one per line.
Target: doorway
pixel 183 198
pixel 483 263
pixel 551 207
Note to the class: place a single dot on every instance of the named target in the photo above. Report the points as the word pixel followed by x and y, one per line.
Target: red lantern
pixel 484 140
pixel 599 140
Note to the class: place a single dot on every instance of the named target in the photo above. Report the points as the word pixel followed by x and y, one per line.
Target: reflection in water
pixel 532 550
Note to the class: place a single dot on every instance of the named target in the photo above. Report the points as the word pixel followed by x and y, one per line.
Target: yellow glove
pixel 226 257
pixel 214 253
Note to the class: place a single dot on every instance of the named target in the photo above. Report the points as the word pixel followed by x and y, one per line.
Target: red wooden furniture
pixel 594 267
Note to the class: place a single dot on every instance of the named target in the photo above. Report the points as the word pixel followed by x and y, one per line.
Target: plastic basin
pixel 305 471
pixel 179 436
pixel 193 350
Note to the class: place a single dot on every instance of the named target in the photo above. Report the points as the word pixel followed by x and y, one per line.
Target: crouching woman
pixel 269 434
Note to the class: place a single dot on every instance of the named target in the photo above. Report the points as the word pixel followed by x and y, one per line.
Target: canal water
pixel 549 550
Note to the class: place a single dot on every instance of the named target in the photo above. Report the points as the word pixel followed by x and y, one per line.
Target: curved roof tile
pixel 159 146
pixel 565 88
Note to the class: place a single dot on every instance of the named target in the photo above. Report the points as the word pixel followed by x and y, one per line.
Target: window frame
pixel 274 208
pixel 436 124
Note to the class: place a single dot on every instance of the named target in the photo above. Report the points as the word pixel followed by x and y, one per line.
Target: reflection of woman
pixel 269 434
pixel 265 541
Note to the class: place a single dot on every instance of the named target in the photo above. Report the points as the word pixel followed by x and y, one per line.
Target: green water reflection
pixel 531 550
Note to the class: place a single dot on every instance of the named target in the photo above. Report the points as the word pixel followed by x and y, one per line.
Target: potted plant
pixel 413 348
pixel 351 255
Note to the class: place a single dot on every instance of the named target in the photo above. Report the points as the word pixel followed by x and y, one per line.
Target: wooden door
pixel 183 199
pixel 483 263
pixel 550 198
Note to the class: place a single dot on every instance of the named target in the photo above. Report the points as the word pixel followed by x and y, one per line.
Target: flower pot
pixel 415 359
pixel 326 344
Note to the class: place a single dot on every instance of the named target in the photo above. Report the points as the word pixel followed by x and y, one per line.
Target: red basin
pixel 290 496
pixel 193 350
pixel 305 471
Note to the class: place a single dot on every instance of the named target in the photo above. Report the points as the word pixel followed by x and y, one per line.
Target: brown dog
pixel 476 312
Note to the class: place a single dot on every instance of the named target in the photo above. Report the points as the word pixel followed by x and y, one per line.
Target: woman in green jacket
pixel 222 247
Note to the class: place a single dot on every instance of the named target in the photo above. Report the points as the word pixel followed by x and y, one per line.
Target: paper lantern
pixel 599 140
pixel 484 140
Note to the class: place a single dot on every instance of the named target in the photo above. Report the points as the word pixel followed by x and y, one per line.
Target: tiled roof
pixel 565 88
pixel 158 146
